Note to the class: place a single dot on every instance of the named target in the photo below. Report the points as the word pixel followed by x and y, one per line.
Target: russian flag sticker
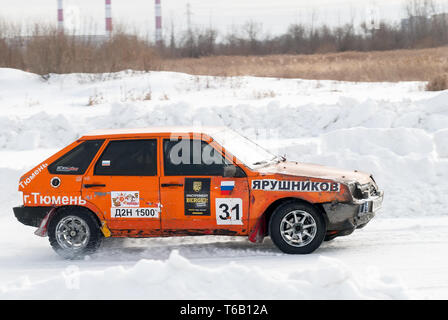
pixel 227 187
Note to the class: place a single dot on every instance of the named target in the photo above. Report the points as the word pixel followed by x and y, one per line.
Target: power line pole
pixel 189 17
pixel 190 39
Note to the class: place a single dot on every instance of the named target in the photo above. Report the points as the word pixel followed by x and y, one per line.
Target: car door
pixel 124 185
pixel 196 198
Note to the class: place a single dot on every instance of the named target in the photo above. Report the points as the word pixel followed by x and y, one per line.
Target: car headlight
pixel 362 191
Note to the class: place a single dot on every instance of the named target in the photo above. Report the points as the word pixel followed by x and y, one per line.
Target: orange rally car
pixel 161 182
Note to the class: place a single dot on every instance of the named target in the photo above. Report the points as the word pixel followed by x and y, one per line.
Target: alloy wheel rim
pixel 72 233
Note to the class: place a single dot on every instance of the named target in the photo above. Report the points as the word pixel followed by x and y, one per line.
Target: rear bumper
pixel 31 216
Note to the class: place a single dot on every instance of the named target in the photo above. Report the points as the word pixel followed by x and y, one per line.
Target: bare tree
pixel 252 31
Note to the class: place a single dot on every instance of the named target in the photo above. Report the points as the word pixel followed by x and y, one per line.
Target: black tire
pixel 312 217
pixel 86 222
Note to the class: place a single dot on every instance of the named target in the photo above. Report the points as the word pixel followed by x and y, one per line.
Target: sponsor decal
pixel 197 186
pixel 38 199
pixel 125 199
pixel 66 169
pixel 229 211
pixel 150 212
pixel 227 187
pixel 33 175
pixel 291 185
pixel 197 196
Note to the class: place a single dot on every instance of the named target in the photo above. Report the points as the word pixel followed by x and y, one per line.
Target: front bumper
pixel 31 216
pixel 367 208
pixel 349 216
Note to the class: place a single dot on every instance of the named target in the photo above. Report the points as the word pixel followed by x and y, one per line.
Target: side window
pixel 128 158
pixel 187 157
pixel 77 160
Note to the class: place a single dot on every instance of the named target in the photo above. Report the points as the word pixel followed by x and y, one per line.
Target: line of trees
pixel 47 50
pixel 423 27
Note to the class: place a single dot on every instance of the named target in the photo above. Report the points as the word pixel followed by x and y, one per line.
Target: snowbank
pixel 393 130
pixel 441 141
pixel 178 278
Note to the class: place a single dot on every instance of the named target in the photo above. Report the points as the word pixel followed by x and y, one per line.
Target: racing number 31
pixel 229 211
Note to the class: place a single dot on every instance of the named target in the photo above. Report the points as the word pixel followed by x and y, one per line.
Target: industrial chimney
pixel 60 16
pixel 108 18
pixel 158 12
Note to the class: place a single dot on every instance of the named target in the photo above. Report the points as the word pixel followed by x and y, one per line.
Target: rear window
pixel 77 160
pixel 128 158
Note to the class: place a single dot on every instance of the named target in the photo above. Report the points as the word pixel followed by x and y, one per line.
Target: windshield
pixel 245 150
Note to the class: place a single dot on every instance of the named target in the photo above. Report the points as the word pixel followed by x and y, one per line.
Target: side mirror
pixel 232 171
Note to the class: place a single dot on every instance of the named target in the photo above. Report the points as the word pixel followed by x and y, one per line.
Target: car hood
pixel 316 171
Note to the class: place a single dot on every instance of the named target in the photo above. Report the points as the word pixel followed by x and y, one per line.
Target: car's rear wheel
pixel 74 233
pixel 297 228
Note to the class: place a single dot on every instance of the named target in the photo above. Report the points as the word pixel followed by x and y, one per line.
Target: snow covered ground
pixel 396 131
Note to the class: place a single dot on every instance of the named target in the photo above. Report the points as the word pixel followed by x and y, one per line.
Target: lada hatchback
pixel 165 182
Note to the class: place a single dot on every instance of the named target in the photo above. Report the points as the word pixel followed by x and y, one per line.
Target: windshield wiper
pixel 259 162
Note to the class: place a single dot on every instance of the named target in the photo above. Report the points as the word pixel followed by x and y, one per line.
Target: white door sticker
pixel 134 212
pixel 229 211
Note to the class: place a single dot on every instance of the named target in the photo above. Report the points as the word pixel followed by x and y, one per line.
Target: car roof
pixel 151 131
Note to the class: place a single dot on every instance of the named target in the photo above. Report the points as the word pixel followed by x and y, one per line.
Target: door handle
pixel 94 185
pixel 172 185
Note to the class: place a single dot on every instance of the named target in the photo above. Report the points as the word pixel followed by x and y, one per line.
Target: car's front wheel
pixel 297 228
pixel 74 233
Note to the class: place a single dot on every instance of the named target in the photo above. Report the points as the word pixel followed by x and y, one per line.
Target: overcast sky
pixel 275 15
